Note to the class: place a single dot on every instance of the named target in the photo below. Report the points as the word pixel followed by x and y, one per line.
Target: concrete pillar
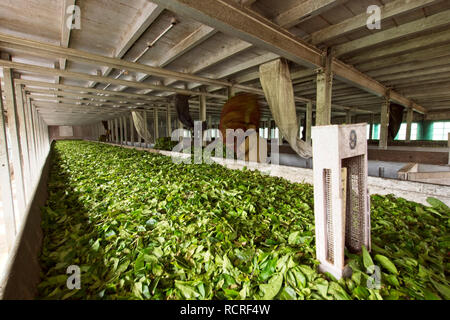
pixel 16 146
pixel 269 134
pixel 145 129
pixel 324 85
pixel 156 123
pixel 131 130
pixel 308 121
pixel 34 136
pixel 125 130
pixel 169 120
pixel 29 129
pixel 409 119
pixel 372 120
pixel 448 144
pixel 348 117
pixel 384 124
pixel 121 138
pixel 6 183
pixel 23 128
pixel 116 130
pixel 230 92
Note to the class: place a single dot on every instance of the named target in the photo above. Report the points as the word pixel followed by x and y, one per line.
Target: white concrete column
pixel 409 119
pixel 156 123
pixel 125 130
pixel 348 117
pixel 230 92
pixel 146 129
pixel 9 218
pixel 23 128
pixel 121 131
pixel 324 85
pixel 372 120
pixel 29 129
pixel 169 120
pixel 448 144
pixel 116 130
pixel 131 130
pixel 34 137
pixel 16 146
pixel 308 121
pixel 384 124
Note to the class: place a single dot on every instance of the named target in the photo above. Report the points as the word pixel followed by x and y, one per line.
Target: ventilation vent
pixel 328 216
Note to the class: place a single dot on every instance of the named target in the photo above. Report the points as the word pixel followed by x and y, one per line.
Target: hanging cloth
pixel 140 125
pixel 182 107
pixel 395 120
pixel 277 85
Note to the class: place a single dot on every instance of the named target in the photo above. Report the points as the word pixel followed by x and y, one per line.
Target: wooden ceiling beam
pixel 416 56
pixel 101 79
pixel 148 15
pixel 230 18
pixel 402 47
pixel 76 97
pixel 388 11
pixel 303 11
pixel 194 39
pixel 229 51
pixel 411 67
pixel 101 93
pixel 65 34
pixel 438 20
pixel 49 50
pixel 87 96
pixel 36 97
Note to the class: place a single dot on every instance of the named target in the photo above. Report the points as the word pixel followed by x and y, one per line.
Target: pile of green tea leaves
pixel 141 227
pixel 165 143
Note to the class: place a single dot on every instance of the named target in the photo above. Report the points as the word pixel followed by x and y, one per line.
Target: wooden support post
pixel 308 121
pixel 348 117
pixel 146 142
pixel 169 120
pixel 156 123
pixel 270 130
pixel 116 130
pixel 38 137
pixel 29 128
pixel 409 119
pixel 23 140
pixel 132 129
pixel 121 135
pixel 372 120
pixel 324 85
pixel 384 123
pixel 125 130
pixel 34 136
pixel 230 92
pixel 14 131
pixel 110 131
pixel 203 112
pixel 6 183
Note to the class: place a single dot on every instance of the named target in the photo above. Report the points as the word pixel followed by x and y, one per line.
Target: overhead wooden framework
pixel 218 45
pixel 230 18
